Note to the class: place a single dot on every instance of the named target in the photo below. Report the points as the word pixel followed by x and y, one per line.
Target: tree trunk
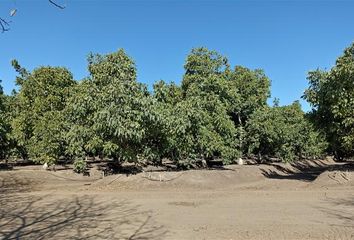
pixel 241 132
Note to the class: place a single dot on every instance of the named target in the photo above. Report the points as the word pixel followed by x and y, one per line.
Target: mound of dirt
pixel 330 178
pixel 297 175
pixel 192 179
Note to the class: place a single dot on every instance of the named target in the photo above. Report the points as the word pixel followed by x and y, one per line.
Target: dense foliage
pixel 217 113
pixel 205 117
pixel 283 132
pixel 331 93
pixel 38 121
pixel 110 114
pixel 4 125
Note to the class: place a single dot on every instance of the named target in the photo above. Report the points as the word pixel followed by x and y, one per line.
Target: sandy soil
pixel 307 200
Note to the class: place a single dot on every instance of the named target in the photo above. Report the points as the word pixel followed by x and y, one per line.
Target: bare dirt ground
pixel 306 200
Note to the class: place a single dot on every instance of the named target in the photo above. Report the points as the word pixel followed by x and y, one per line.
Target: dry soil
pixel 306 200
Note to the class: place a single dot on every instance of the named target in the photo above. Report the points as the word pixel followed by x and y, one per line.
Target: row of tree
pixel 217 113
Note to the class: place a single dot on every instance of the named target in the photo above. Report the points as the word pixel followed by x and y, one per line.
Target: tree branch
pixel 56 4
pixel 4 25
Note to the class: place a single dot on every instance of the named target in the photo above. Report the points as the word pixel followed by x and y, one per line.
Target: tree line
pixel 218 112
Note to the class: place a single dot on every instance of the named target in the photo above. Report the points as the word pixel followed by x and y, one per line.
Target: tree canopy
pixel 4 125
pixel 217 113
pixel 37 112
pixel 284 132
pixel 331 94
pixel 110 113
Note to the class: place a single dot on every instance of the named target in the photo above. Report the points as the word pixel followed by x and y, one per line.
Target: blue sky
pixel 285 38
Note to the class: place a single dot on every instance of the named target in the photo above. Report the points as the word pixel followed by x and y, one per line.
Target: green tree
pixel 331 94
pixel 5 143
pixel 283 132
pixel 38 121
pixel 196 120
pixel 110 113
pixel 206 116
pixel 248 91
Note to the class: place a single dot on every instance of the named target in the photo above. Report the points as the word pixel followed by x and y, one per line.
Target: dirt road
pixel 315 201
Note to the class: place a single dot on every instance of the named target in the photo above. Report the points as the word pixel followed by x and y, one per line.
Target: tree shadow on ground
pixel 112 168
pixel 10 184
pixel 5 167
pixel 342 210
pixel 304 170
pixel 24 216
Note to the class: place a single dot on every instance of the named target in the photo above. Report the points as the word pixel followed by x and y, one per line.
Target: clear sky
pixel 285 38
